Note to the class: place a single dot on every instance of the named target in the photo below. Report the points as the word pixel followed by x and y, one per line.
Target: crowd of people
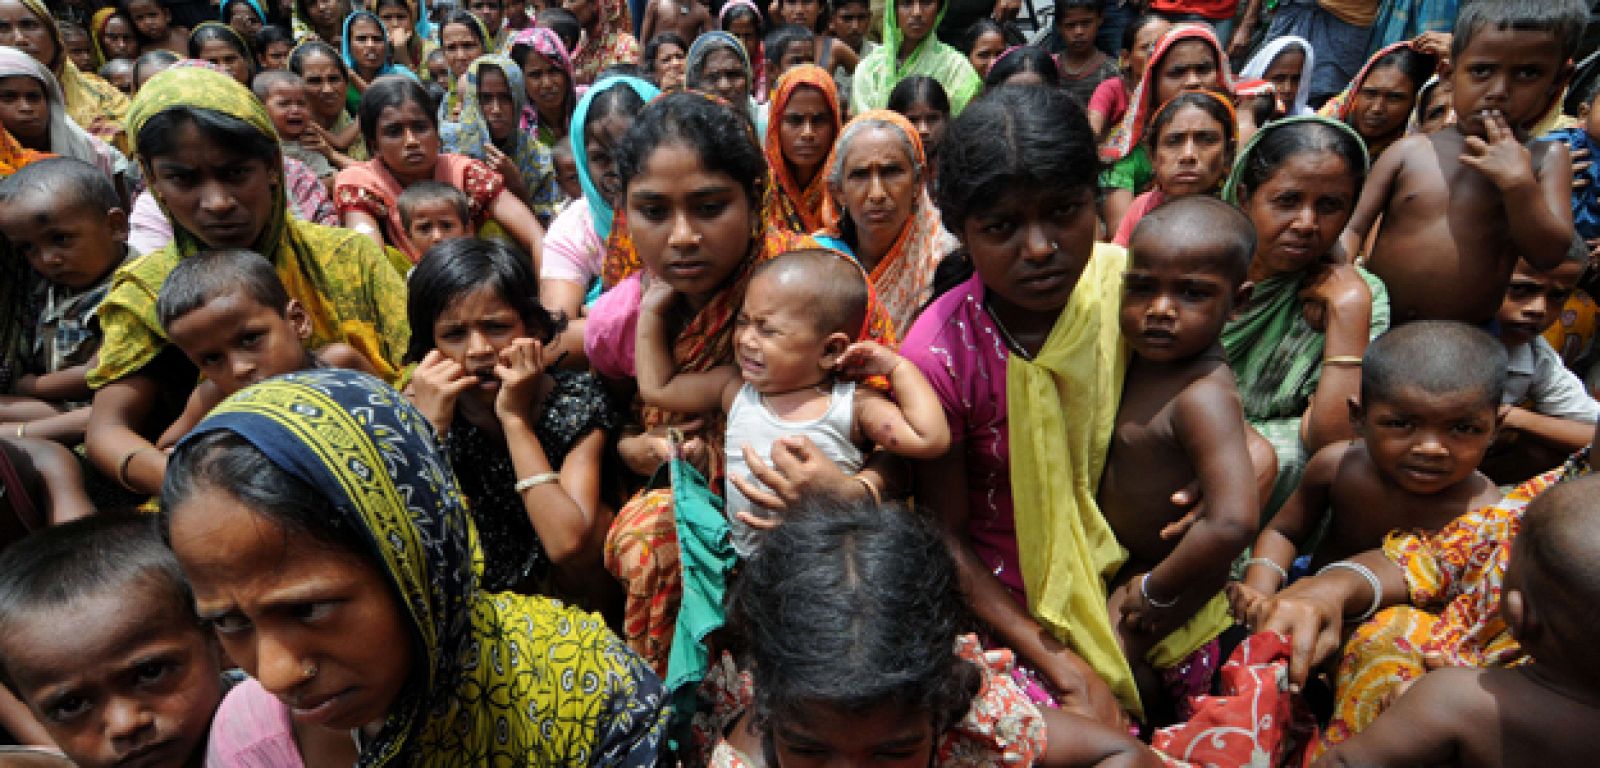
pixel 632 383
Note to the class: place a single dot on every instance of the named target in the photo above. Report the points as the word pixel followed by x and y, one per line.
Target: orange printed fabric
pixel 787 204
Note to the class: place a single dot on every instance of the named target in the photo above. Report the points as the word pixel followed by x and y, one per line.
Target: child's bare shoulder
pixel 342 355
pixel 1210 391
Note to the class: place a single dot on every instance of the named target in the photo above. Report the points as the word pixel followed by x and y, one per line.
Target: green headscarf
pixel 878 73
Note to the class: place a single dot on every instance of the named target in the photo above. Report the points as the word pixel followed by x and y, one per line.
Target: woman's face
pixel 408 141
pixel 1030 246
pixel 723 75
pixel 668 66
pixel 461 46
pixel 916 19
pixel 118 39
pixel 1383 103
pixel 878 184
pixel 805 131
pixel 802 12
pixel 1144 44
pixel 221 195
pixel 692 226
pixel 743 26
pixel 368 44
pixel 985 50
pixel 318 626
pixel 600 142
pixel 22 30
pixel 326 14
pixel 494 98
pixel 220 53
pixel 1190 154
pixel 24 112
pixel 325 86
pixel 881 737
pixel 244 20
pixel 1284 73
pixel 546 85
pixel 1299 211
pixel 472 330
pixel 1189 64
pixel 930 124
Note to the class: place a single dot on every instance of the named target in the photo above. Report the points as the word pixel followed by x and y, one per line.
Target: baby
pixel 798 329
pixel 1180 419
pixel 283 93
pixel 1459 205
pixel 1430 392
pixel 119 72
pixel 98 637
pixel 229 313
pixel 1539 714
pixel 434 212
pixel 566 168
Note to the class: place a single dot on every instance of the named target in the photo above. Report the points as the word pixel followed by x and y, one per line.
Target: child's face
pixel 1513 72
pixel 668 66
pixel 77 45
pixel 118 38
pixel 219 194
pixel 1285 72
pixel 799 52
pixel 236 341
pixel 600 137
pixel 1383 103
pixel 1189 64
pixel 567 177
pixel 1438 112
pixel 1030 246
pixel 806 131
pixel 24 111
pixel 1175 299
pixel 150 18
pixel 930 124
pixel 1426 442
pixel 289 109
pixel 744 27
pixel 985 50
pixel 1077 28
pixel 884 737
pixel 1534 300
pixel 691 226
pixel 491 12
pixel 438 68
pixel 121 78
pixel 801 12
pixel 777 345
pixel 73 246
pixel 472 330
pixel 1191 153
pixel 850 25
pixel 128 678
pixel 1300 210
pixel 435 221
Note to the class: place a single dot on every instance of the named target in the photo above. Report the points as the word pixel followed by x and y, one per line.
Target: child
pixel 272 44
pixel 64 217
pixel 786 46
pixel 153 22
pixel 1459 205
pixel 283 93
pixel 1584 137
pixel 802 315
pixel 98 637
pixel 848 21
pixel 1083 67
pixel 566 167
pixel 229 313
pixel 1430 391
pixel 1110 100
pixel 566 26
pixel 75 39
pixel 686 18
pixel 119 72
pixel 438 68
pixel 434 212
pixel 1538 714
pixel 1179 420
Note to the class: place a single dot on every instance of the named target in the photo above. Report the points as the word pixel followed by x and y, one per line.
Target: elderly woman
pixel 718 64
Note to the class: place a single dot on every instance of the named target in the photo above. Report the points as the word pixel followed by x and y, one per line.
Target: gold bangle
pixel 1342 360
pixel 872 490
pixel 122 468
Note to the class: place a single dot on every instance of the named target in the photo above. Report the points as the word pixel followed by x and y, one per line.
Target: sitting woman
pixel 219 45
pixel 1382 97
pixel 92 103
pixel 1191 144
pixel 330 131
pixel 718 64
pixel 214 162
pixel 327 486
pixel 400 127
pixel 548 84
pixel 878 211
pixel 805 122
pixel 367 53
pixel 409 40
pixel 463 39
pixel 487 128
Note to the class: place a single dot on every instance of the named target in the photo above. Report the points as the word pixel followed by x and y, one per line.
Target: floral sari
pixel 469 136
pixel 612 43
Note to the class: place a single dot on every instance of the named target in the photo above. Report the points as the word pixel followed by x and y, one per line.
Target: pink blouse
pixel 252 729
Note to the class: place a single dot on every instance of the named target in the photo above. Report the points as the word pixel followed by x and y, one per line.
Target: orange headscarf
pixel 787 205
pixel 13 155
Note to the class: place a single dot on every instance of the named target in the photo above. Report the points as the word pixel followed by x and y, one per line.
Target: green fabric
pixel 1134 172
pixel 880 70
pixel 705 549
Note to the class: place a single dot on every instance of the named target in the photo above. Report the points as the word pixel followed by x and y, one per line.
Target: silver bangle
pixel 1366 573
pixel 1283 576
pixel 1144 592
pixel 535 481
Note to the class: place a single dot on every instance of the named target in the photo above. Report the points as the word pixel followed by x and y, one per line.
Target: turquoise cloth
pixel 705 550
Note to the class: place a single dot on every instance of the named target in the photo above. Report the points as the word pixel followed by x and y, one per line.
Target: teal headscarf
pixel 388 66
pixel 599 207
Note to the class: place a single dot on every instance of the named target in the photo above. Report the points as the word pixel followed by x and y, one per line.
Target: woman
pixel 404 136
pixel 878 211
pixel 92 103
pixel 547 82
pixel 1191 143
pixel 607 37
pixel 797 145
pixel 1286 62
pixel 463 40
pixel 743 20
pixel 1296 346
pixel 221 46
pixel 1380 101
pixel 1185 57
pixel 492 104
pixel 718 64
pixel 245 16
pixel 878 72
pixel 56 133
pixel 213 160
pixel 663 60
pixel 319 19
pixel 330 481
pixel 367 53
pixel 327 86
pixel 112 36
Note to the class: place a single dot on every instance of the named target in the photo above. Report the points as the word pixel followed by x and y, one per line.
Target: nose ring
pixel 309 670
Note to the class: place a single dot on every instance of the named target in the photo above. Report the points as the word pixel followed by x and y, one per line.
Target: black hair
pixel 1436 356
pixel 1130 33
pixel 834 6
pixel 392 91
pixel 1416 66
pixel 460 266
pixel 777 42
pixel 742 12
pixel 424 192
pixel 159 57
pixel 918 89
pixel 1061 6
pixel 303 51
pixel 653 48
pixel 1565 19
pixel 1008 32
pixel 67 182
pixel 67 25
pixel 1014 139
pixel 269 35
pixel 381 4
pixel 616 100
pixel 1027 58
pixel 300 8
pixel 125 6
pixel 159 135
pixel 1277 143
pixel 564 23
pixel 436 94
pixel 207 33
pixel 268 79
pixel 721 137
pixel 1200 221
pixel 831 287
pixel 853 606
pixel 105 554
pixel 200 279
pixel 1209 102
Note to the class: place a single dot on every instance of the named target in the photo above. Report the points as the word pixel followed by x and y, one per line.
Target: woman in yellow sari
pixel 92 103
pixel 802 123
pixel 204 125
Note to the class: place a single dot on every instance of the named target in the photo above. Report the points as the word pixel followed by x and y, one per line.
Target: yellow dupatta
pixel 92 103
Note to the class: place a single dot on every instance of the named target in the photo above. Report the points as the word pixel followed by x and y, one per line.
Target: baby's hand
pixel 1501 157
pixel 519 369
pixel 505 166
pixel 657 298
pixel 435 385
pixel 867 358
pixel 1243 601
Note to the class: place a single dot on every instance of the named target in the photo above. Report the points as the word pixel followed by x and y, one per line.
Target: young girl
pixel 663 60
pixel 153 22
pixel 400 27
pixel 1110 100
pixel 922 100
pixel 220 45
pixel 1191 142
pixel 526 443
pixel 367 53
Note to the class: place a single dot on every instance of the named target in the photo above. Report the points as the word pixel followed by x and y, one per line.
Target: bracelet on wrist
pixel 1365 573
pixel 534 481
pixel 1283 576
pixel 1144 592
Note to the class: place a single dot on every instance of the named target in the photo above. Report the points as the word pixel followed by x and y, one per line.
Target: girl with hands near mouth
pixel 525 439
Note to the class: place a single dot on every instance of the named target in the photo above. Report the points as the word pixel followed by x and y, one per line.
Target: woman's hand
pixel 1081 690
pixel 1239 44
pixel 520 369
pixel 435 385
pixel 1335 290
pixel 1433 44
pixel 798 470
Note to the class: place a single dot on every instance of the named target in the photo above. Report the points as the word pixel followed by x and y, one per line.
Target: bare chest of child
pixel 1365 505
pixel 1444 246
pixel 687 18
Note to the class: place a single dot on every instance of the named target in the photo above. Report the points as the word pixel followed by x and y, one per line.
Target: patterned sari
pixel 1341 106
pixel 786 203
pixel 546 44
pixel 469 135
pixel 91 102
pixel 504 679
pixel 370 188
pixel 1127 137
pixel 342 278
pixel 613 42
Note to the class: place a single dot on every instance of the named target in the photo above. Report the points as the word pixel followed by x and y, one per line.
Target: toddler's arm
pixel 660 383
pixel 1537 193
pixel 1374 198
pixel 1423 727
pixel 912 425
pixel 1279 541
pixel 57 386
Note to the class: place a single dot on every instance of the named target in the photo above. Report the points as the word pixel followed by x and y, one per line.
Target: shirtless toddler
pixel 688 18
